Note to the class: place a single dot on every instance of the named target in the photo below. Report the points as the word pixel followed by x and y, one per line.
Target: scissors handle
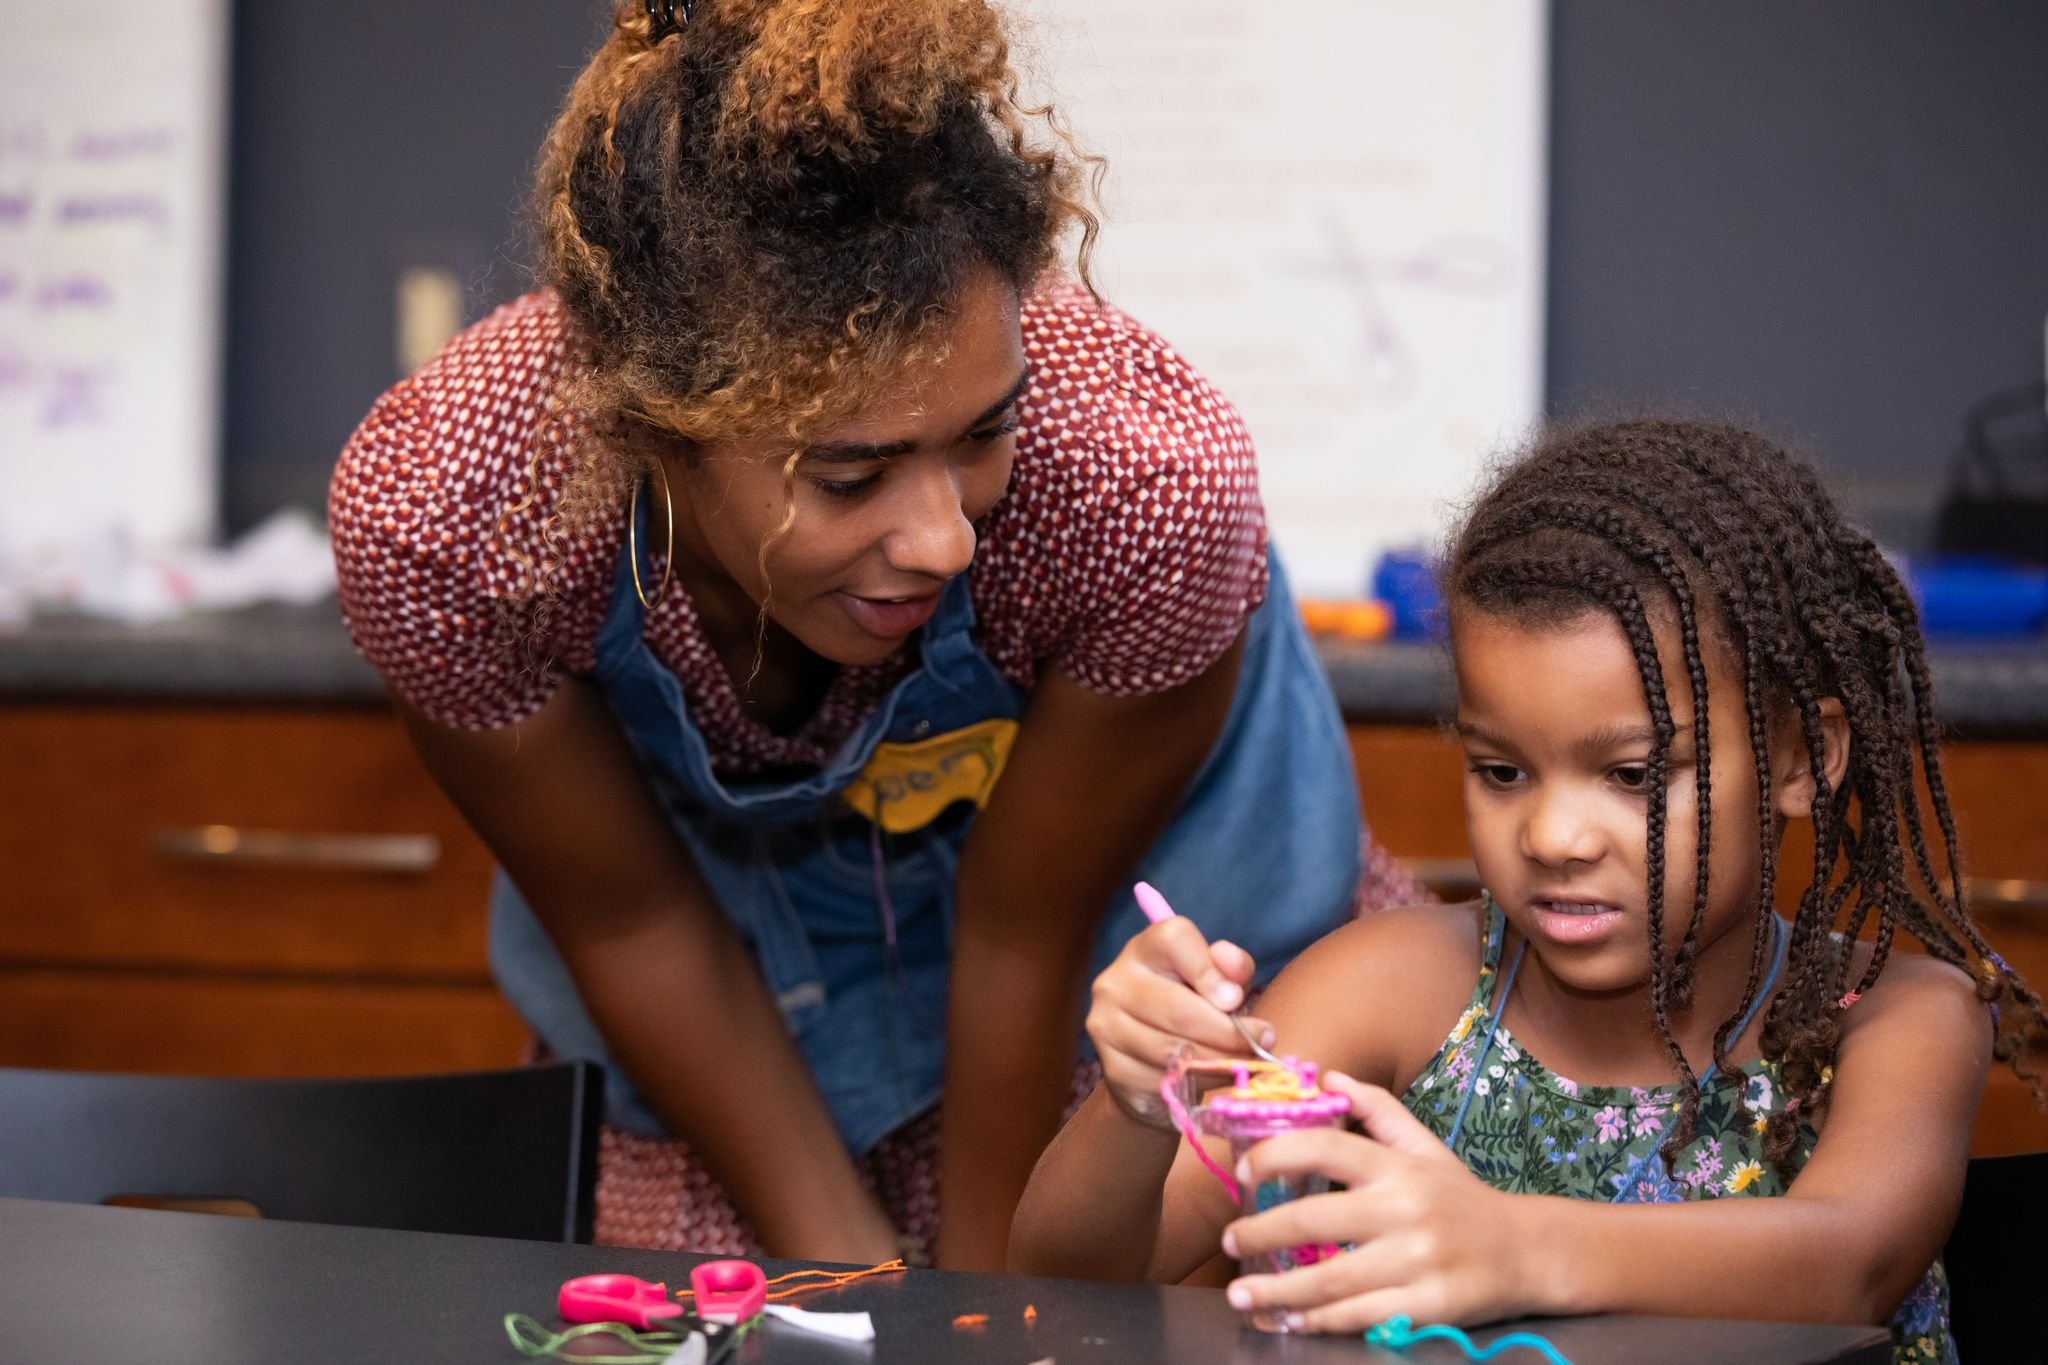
pixel 644 1304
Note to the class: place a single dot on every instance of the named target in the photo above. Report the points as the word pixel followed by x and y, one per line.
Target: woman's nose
pixel 1559 830
pixel 932 536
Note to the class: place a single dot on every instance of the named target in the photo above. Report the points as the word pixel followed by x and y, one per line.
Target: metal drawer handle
pixel 2007 893
pixel 404 854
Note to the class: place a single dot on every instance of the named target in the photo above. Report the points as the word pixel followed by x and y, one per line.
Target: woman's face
pixel 884 503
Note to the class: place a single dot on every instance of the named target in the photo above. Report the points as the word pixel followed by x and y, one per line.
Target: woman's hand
pixel 1432 1240
pixel 1169 986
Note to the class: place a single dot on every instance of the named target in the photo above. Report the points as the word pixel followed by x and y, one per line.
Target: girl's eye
pixel 1632 778
pixel 847 488
pixel 1497 774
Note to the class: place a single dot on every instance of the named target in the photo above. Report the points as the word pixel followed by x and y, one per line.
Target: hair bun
pixel 829 76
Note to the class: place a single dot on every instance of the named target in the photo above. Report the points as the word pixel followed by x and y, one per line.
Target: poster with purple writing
pixel 1335 209
pixel 112 162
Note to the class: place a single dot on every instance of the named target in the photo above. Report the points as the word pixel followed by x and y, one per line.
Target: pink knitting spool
pixel 1243 1120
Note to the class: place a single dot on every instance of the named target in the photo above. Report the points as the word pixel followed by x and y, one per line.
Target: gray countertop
pixel 278 655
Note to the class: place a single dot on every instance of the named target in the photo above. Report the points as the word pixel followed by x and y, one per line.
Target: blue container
pixel 1406 581
pixel 1980 597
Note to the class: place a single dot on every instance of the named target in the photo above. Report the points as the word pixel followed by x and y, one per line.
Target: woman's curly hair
pixel 755 220
pixel 1736 544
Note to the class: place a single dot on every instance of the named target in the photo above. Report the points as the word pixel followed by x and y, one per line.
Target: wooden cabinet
pixel 1411 777
pixel 237 890
pixel 283 891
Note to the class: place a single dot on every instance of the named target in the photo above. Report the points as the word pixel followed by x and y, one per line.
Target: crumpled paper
pixel 285 559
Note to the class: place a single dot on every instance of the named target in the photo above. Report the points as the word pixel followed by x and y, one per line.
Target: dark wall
pixel 1828 215
pixel 1832 215
pixel 367 137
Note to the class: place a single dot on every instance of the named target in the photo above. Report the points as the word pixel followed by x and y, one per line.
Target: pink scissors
pixel 628 1299
pixel 726 1292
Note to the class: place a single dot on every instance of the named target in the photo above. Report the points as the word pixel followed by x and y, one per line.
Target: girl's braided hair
pixel 756 219
pixel 1736 542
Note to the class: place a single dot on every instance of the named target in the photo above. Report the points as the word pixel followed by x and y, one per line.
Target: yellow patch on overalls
pixel 905 786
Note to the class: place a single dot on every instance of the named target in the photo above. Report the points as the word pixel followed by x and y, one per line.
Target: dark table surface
pixel 80 1283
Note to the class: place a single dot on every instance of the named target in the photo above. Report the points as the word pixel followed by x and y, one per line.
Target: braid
pixel 1736 541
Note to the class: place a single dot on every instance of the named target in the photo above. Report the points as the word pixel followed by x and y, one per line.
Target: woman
pixel 719 582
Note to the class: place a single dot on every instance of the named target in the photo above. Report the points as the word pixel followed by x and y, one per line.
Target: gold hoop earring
pixel 668 554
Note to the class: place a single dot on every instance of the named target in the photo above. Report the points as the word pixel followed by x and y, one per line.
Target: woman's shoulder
pixel 485 391
pixel 1130 547
pixel 1110 391
pixel 439 511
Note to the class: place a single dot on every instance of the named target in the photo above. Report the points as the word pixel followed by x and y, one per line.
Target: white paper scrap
pixel 840 1326
pixel 691 1352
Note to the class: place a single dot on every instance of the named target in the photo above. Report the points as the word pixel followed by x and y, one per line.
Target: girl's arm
pixel 1847 1242
pixel 1090 783
pixel 559 800
pixel 1120 1195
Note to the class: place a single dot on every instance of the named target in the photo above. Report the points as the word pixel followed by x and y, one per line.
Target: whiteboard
pixel 1335 209
pixel 112 156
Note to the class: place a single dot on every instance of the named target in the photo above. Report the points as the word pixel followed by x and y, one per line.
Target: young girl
pixel 1668 644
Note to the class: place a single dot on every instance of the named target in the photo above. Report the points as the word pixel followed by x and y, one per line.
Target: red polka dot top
pixel 1128 550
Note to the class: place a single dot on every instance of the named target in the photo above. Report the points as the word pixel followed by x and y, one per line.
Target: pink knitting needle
pixel 1157 910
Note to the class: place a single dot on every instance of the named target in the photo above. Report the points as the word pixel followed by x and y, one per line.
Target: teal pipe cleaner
pixel 1399 1333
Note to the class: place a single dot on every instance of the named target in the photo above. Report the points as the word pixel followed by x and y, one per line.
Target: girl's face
pixel 1557 738
pixel 884 503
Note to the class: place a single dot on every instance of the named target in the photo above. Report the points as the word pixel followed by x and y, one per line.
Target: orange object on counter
pixel 1368 620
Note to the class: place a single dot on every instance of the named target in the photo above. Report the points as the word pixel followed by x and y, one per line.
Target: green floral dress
pixel 1522 1128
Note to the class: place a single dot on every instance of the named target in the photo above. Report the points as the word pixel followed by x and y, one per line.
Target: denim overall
pixel 851 921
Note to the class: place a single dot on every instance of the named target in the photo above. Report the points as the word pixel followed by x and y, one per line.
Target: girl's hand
pixel 1433 1241
pixel 1169 986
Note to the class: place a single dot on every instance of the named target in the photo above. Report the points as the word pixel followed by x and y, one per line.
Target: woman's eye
pixel 846 488
pixel 997 432
pixel 1498 774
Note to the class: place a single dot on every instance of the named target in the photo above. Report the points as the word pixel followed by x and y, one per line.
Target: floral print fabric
pixel 1527 1130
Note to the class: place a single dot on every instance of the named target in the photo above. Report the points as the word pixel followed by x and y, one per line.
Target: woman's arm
pixel 1846 1243
pixel 560 801
pixel 1090 783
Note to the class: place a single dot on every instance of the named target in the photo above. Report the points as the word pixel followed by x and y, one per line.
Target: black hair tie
pixel 661 17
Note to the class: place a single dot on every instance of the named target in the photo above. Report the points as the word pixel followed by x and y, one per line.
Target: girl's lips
pixel 889 618
pixel 1575 922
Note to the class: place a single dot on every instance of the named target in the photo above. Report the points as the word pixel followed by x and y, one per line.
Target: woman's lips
pixel 889 618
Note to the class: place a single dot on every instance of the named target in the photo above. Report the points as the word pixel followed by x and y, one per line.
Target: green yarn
pixel 536 1342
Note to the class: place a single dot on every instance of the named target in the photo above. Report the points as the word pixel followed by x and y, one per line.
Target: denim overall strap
pixel 862 989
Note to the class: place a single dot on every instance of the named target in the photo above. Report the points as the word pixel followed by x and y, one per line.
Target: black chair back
pixel 493 1153
pixel 1994 1259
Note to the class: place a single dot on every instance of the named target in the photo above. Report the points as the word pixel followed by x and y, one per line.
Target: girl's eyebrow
pixel 1600 741
pixel 1625 736
pixel 858 452
pixel 1478 733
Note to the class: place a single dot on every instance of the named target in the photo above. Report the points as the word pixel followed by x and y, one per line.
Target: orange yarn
pixel 826 1279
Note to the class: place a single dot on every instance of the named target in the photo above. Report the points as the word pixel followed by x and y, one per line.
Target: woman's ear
pixel 1792 770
